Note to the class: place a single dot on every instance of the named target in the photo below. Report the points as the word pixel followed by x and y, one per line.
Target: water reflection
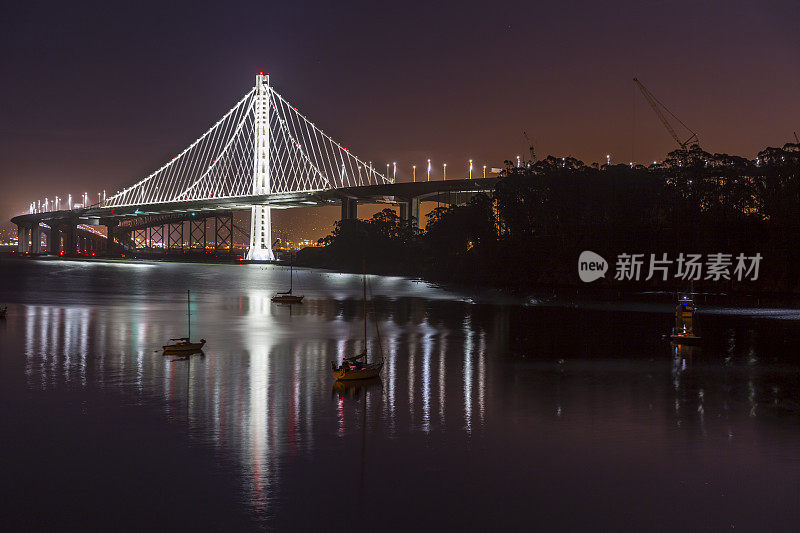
pixel 255 390
pixel 261 393
pixel 354 390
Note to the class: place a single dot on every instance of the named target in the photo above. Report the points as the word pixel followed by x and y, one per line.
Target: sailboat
pixel 357 366
pixel 287 297
pixel 183 345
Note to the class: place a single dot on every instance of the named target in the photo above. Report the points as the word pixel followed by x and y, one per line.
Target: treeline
pixel 531 229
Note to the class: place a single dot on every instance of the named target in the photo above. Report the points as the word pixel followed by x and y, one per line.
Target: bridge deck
pixel 391 193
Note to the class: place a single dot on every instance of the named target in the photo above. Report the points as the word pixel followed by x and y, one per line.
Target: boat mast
pixel 375 317
pixel 364 299
pixel 188 316
pixel 291 265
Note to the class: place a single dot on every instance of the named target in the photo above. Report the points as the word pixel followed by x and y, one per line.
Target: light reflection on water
pixel 482 398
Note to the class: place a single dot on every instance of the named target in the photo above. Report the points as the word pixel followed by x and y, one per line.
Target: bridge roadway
pixel 407 195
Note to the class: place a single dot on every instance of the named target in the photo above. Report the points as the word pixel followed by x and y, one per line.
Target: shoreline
pixel 541 294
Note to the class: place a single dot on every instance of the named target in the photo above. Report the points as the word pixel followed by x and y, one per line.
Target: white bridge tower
pixel 260 217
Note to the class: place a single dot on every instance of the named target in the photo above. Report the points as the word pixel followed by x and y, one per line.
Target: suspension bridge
pixel 260 155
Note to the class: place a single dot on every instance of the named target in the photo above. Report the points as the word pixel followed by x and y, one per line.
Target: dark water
pixel 490 413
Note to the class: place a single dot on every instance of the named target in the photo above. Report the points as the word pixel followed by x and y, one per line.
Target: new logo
pixel 591 266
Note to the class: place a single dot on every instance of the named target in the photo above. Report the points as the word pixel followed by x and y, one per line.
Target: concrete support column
pixel 410 210
pixel 69 232
pixel 23 238
pixel 36 238
pixel 349 209
pixel 54 242
pixel 112 229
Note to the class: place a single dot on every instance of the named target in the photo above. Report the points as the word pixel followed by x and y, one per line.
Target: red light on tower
pixel 260 72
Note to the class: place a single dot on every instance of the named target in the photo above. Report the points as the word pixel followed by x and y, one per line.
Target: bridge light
pixel 415 173
pixel 429 170
pixel 444 171
pixel 484 171
pixel 518 163
pixel 470 169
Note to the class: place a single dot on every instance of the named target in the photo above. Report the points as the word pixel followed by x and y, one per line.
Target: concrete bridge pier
pixel 66 233
pixel 349 208
pixel 112 232
pixel 409 211
pixel 36 239
pixel 23 238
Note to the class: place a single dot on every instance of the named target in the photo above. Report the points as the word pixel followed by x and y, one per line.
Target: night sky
pixel 96 95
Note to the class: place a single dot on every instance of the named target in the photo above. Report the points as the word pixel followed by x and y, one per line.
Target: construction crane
pixel 530 146
pixel 657 107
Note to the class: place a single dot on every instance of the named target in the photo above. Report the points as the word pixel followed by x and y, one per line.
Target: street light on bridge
pixel 484 171
pixel 444 171
pixel 429 170
pixel 414 178
pixel 470 169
